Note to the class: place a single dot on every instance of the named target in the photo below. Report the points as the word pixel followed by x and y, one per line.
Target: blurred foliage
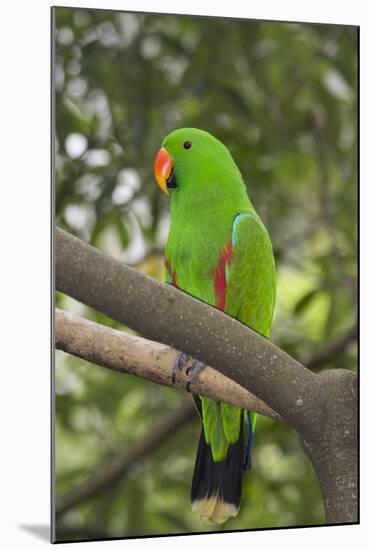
pixel 283 98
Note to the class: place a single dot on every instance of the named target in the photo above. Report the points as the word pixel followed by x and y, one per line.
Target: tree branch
pixel 122 352
pixel 162 313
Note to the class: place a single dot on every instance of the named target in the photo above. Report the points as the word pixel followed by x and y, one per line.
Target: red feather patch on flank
pixel 171 273
pixel 220 281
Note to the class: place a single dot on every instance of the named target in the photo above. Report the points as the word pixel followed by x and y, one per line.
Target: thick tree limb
pixel 163 313
pixel 321 407
pixel 113 472
pixel 126 353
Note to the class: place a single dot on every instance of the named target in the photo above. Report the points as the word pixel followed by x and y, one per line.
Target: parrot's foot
pixel 192 372
pixel 182 358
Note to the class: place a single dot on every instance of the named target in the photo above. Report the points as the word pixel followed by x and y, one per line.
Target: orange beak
pixel 163 167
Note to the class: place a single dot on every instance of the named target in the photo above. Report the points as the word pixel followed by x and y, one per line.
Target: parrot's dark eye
pixel 187 144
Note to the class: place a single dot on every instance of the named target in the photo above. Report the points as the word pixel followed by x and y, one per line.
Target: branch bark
pixel 321 407
pixel 122 352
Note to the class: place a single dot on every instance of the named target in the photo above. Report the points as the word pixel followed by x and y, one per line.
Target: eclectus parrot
pixel 219 251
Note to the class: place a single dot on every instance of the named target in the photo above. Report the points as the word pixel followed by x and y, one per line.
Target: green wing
pixel 250 298
pixel 251 277
pixel 251 290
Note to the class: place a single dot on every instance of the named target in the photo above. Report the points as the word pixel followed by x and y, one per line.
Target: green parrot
pixel 219 251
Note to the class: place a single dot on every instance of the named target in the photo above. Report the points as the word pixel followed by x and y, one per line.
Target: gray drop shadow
pixel 40 531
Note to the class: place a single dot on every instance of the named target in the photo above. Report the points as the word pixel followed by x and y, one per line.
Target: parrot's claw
pixel 182 358
pixel 192 371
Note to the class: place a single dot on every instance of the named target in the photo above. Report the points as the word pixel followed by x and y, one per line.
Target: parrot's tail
pixel 217 486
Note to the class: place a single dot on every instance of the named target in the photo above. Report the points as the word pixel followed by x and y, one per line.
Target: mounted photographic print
pixel 205 195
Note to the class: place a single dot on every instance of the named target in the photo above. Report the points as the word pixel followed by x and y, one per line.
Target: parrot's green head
pixel 193 162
